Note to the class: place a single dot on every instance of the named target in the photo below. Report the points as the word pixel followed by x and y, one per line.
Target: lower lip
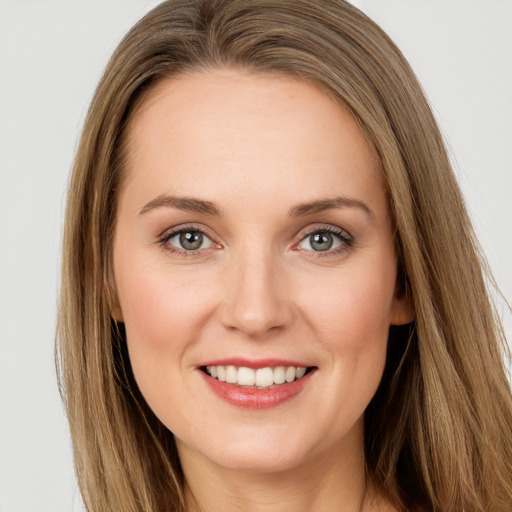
pixel 251 398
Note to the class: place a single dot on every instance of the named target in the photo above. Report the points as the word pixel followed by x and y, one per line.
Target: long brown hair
pixel 438 433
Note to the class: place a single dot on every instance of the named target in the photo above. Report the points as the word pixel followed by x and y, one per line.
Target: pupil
pixel 191 240
pixel 322 241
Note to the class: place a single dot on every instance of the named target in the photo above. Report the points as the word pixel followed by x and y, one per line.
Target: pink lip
pixel 254 363
pixel 251 398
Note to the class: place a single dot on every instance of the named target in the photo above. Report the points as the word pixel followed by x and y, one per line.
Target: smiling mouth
pixel 261 378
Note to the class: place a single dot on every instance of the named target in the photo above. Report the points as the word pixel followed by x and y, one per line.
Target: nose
pixel 256 299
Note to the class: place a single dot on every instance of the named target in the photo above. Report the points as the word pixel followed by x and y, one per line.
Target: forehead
pixel 197 133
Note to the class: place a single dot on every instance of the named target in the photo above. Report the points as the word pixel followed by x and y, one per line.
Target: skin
pixel 256 146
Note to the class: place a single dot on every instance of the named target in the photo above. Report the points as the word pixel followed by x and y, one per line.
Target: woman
pixel 272 297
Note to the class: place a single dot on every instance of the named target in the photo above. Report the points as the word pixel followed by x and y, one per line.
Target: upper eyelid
pixel 324 227
pixel 169 232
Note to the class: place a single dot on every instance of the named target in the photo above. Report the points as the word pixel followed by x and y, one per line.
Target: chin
pixel 254 454
pixel 258 462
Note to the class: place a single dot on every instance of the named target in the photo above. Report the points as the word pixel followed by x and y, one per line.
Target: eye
pixel 187 239
pixel 326 240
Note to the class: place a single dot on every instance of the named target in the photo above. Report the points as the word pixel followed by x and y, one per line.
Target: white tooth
pixel 231 374
pixel 290 374
pixel 246 376
pixel 264 377
pixel 213 371
pixel 300 372
pixel 221 373
pixel 279 375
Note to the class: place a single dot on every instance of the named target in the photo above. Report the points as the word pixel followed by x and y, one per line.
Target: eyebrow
pixel 192 204
pixel 304 209
pixel 188 204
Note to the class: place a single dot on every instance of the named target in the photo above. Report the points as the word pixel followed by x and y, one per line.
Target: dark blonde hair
pixel 438 433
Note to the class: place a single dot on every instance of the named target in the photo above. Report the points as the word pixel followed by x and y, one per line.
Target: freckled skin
pixel 255 146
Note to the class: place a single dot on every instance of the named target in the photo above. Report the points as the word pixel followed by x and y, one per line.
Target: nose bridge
pixel 255 297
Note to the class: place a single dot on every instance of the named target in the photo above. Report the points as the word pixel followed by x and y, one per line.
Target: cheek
pixel 352 322
pixel 158 303
pixel 350 313
pixel 163 315
pixel 162 312
pixel 352 308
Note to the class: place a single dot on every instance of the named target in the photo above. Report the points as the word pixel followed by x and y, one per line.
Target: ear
pixel 116 313
pixel 402 309
pixel 113 301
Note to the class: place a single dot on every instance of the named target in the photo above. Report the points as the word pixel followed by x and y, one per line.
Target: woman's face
pixel 253 236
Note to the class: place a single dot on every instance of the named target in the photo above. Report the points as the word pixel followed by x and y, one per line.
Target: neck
pixel 326 482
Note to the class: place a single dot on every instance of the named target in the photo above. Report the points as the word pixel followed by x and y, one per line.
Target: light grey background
pixel 51 56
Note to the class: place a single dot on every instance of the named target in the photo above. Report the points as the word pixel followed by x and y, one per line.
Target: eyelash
pixel 164 239
pixel 347 241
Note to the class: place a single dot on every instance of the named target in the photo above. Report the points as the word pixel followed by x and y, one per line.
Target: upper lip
pixel 254 363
